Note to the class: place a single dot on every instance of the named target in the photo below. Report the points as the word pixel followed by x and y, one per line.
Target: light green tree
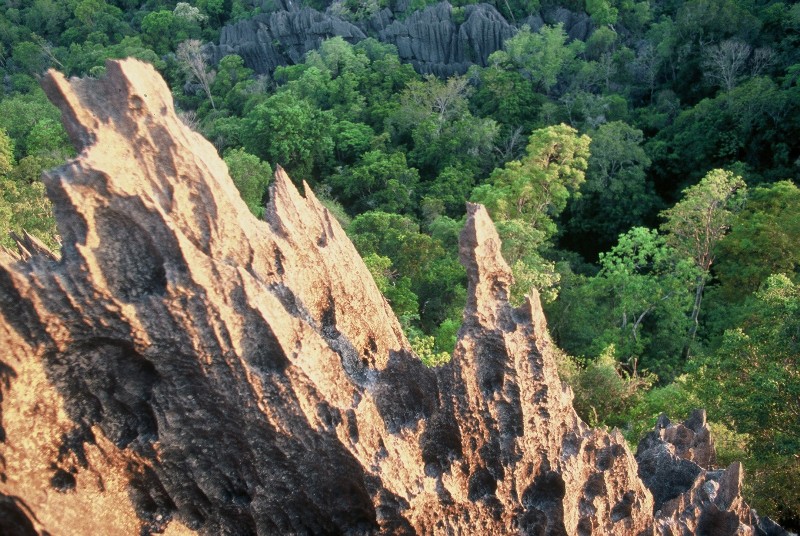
pixel 525 197
pixel 697 223
pixel 643 278
pixel 536 188
pixel 541 56
pixel 251 176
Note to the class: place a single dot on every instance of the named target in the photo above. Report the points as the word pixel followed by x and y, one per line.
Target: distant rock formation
pixel 434 43
pixel 184 367
pixel 437 40
pixel 280 38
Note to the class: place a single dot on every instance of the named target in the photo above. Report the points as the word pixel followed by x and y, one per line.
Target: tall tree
pixel 752 382
pixel 725 63
pixel 697 223
pixel 645 278
pixel 193 60
pixel 525 197
pixel 616 195
pixel 536 188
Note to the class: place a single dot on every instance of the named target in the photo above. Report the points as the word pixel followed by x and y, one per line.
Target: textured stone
pixel 676 462
pixel 184 367
pixel 269 40
pixel 430 39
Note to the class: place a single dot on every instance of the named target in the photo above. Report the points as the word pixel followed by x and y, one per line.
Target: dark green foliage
pixel 616 195
pixel 400 153
pixel 751 381
pixel 604 393
pixel 290 131
pixel 378 181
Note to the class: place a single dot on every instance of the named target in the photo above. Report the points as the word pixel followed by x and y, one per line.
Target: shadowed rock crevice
pixel 147 277
pixel 15 518
pixel 188 368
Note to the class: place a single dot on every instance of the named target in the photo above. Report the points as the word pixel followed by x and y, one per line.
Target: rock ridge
pixel 184 367
pixel 436 40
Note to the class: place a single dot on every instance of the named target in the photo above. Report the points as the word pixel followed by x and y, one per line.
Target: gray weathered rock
pixel 281 38
pixel 676 462
pixel 430 39
pixel 577 25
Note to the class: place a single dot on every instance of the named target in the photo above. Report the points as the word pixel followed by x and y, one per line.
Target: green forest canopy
pixel 645 181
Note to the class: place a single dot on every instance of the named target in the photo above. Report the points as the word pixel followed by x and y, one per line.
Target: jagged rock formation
pixel 677 463
pixel 434 43
pixel 269 40
pixel 185 367
pixel 435 40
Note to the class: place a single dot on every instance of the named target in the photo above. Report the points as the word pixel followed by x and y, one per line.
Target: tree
pixel 541 57
pixel 48 139
pixel 24 207
pixel 763 240
pixel 216 10
pixel 289 131
pixel 396 289
pixel 752 382
pixel 604 392
pixel 193 61
pixel 379 181
pixel 602 12
pixel 443 131
pixel 19 115
pixel 6 153
pixel 158 30
pixel 697 223
pixel 233 83
pixel 726 62
pixel 251 176
pixel 507 97
pixel 644 277
pixel 536 188
pixel 753 124
pixel 437 278
pixel 616 195
pixel 525 197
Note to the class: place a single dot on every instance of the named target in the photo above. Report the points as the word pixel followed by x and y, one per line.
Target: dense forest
pixel 644 181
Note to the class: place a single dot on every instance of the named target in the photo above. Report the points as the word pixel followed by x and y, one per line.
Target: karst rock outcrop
pixel 185 367
pixel 440 39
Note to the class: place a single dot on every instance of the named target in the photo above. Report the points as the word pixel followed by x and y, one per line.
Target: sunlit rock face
pixel 185 367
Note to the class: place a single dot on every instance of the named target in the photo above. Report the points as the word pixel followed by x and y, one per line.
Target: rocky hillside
pixel 184 367
pixel 440 39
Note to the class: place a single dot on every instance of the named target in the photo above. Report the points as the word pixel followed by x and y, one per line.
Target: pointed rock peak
pixel 488 273
pixel 730 485
pixel 130 87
